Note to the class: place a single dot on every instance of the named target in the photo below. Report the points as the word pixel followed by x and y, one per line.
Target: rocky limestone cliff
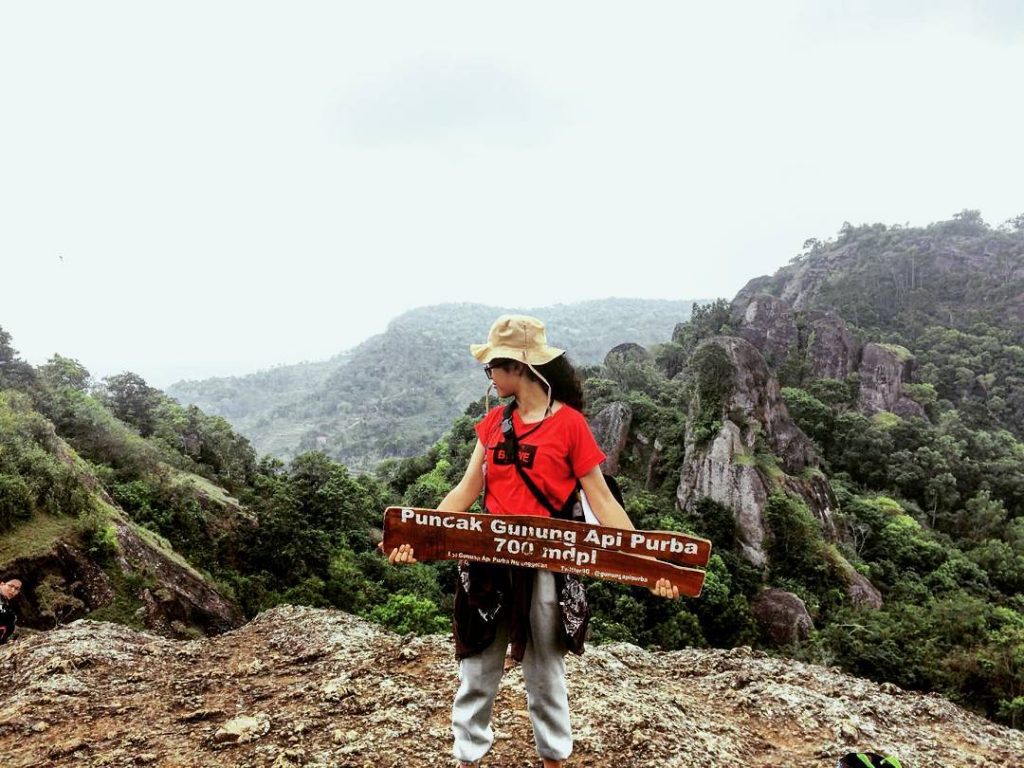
pixel 758 450
pixel 753 418
pixel 828 346
pixel 724 472
pixel 306 687
pixel 824 341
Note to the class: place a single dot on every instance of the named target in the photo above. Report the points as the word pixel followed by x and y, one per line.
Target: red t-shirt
pixel 554 453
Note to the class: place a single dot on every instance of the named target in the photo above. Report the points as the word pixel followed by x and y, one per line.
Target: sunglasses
pixel 487 370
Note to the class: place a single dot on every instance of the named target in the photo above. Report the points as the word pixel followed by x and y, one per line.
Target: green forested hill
pixel 395 393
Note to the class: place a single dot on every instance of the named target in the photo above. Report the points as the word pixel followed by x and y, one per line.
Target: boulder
pixel 242 729
pixel 628 353
pixel 611 429
pixel 859 589
pixel 782 616
pixel 862 592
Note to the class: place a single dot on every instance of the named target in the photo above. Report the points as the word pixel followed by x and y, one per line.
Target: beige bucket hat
pixel 516 337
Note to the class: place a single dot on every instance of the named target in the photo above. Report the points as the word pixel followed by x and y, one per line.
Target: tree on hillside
pixel 132 400
pixel 65 373
pixel 14 372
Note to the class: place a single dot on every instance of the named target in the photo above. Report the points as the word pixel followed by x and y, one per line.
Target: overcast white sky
pixel 206 188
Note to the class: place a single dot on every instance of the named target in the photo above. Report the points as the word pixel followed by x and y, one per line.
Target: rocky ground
pixel 305 687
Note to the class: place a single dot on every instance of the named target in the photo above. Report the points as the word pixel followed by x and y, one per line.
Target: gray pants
pixel 543 673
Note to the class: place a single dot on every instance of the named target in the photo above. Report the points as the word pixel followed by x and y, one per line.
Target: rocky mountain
pixel 397 392
pixel 955 273
pixel 305 687
pixel 847 432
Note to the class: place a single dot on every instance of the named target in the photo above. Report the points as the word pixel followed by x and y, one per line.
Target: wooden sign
pixel 629 557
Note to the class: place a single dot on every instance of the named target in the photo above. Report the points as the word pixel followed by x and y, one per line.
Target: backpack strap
pixel 512 441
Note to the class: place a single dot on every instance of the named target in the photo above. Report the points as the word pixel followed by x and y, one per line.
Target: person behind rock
pixel 496 606
pixel 10 588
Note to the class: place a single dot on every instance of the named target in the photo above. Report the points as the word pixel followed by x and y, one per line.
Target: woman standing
pixel 544 437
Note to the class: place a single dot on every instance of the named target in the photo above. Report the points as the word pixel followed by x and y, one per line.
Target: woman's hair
pixel 560 374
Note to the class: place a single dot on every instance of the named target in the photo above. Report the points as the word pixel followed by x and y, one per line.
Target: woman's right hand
pixel 402 554
pixel 664 588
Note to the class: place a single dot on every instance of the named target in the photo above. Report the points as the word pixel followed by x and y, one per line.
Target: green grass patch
pixel 159 543
pixel 743 459
pixel 768 465
pixel 902 353
pixel 813 473
pixel 886 420
pixel 35 536
pixel 211 491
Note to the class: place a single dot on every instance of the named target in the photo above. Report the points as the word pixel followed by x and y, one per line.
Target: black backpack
pixel 8 620
pixel 868 760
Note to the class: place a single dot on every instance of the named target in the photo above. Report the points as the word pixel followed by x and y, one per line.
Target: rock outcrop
pixel 81 582
pixel 770 325
pixel 725 469
pixel 611 430
pixel 799 285
pixel 862 592
pixel 757 397
pixel 822 339
pixel 306 687
pixel 182 601
pixel 827 349
pixel 725 473
pixel 832 350
pixel 884 369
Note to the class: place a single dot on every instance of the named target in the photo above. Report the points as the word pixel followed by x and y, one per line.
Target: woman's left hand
pixel 665 589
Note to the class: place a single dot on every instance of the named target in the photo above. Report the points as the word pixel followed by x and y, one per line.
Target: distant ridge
pixel 397 392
